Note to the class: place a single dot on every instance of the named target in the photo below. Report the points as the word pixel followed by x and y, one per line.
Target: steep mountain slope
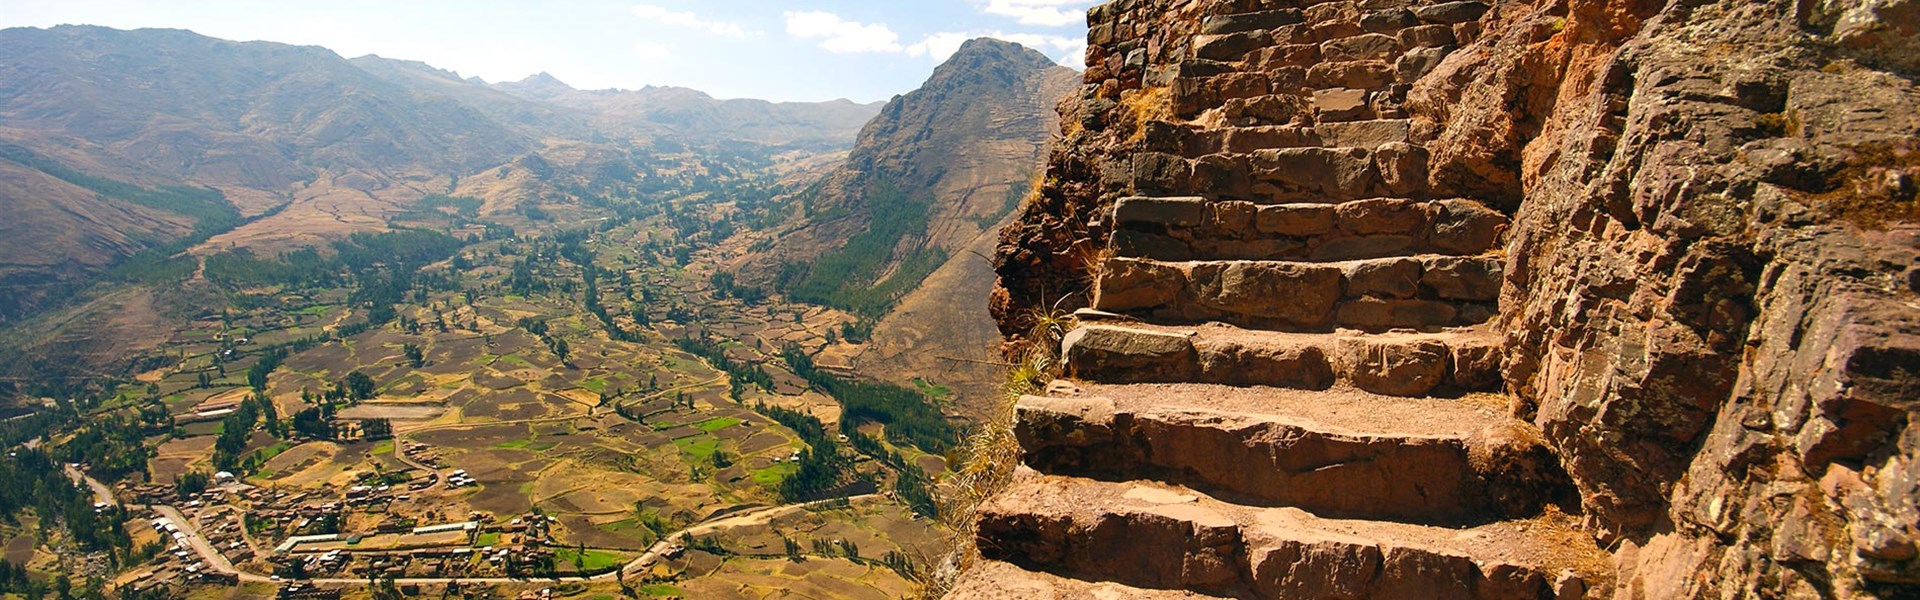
pixel 937 167
pixel 901 227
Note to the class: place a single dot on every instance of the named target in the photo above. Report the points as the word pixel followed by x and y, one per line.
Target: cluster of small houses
pixel 421 453
pixel 181 564
pixel 459 479
pixel 300 516
pixel 441 561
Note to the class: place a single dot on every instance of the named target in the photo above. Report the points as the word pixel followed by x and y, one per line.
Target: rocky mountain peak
pixel 537 85
pixel 986 54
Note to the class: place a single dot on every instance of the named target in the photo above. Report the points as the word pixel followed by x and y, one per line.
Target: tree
pixel 314 422
pixel 359 386
pixel 257 374
pixel 376 429
pixel 415 356
pixel 192 482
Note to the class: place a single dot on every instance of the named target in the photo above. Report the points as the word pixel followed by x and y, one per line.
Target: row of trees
pixel 822 466
pixel 909 416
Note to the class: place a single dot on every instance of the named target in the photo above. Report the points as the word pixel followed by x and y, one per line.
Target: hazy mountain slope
pixel 941 331
pixel 182 106
pixel 56 232
pixel 697 118
pixel 534 117
pixel 137 112
pixel 935 169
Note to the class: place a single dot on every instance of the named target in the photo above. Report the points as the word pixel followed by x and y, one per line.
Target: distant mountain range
pixel 111 139
pixel 120 149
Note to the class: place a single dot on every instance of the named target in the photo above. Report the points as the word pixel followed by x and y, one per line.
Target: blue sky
pixel 774 49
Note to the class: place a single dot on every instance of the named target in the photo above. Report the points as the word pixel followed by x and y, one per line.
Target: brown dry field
pixel 19 550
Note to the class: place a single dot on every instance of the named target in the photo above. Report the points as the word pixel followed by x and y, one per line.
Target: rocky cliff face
pixel 1671 246
pixel 934 170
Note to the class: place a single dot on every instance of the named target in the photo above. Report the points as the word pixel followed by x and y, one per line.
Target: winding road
pixel 101 493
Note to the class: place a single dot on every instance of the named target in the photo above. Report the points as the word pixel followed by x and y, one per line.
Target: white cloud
pixel 1046 13
pixel 843 36
pixel 840 35
pixel 689 20
pixel 939 46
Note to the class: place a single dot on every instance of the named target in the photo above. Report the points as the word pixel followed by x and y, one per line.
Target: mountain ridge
pixel 329 144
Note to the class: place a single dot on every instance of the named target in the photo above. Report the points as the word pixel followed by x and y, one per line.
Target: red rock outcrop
pixel 1679 237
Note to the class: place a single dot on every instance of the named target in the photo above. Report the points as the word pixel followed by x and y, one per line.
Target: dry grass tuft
pixel 1876 188
pixel 1143 105
pixel 1094 261
pixel 991 452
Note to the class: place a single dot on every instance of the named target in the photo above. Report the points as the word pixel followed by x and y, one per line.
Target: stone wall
pixel 1046 256
pixel 1710 296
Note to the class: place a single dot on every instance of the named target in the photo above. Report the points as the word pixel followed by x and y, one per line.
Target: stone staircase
pixel 1287 384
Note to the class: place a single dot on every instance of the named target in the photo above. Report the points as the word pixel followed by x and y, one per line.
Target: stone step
pixel 1155 535
pixel 1235 7
pixel 1250 21
pixel 1404 364
pixel 1335 453
pixel 1230 47
pixel 1190 228
pixel 1335 91
pixel 1447 13
pixel 1199 85
pixel 1295 175
pixel 1370 75
pixel 1289 175
pixel 1425 291
pixel 995 580
pixel 1195 142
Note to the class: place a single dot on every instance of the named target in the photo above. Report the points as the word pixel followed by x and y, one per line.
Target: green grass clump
pixel 773 475
pixel 591 561
pixel 699 449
